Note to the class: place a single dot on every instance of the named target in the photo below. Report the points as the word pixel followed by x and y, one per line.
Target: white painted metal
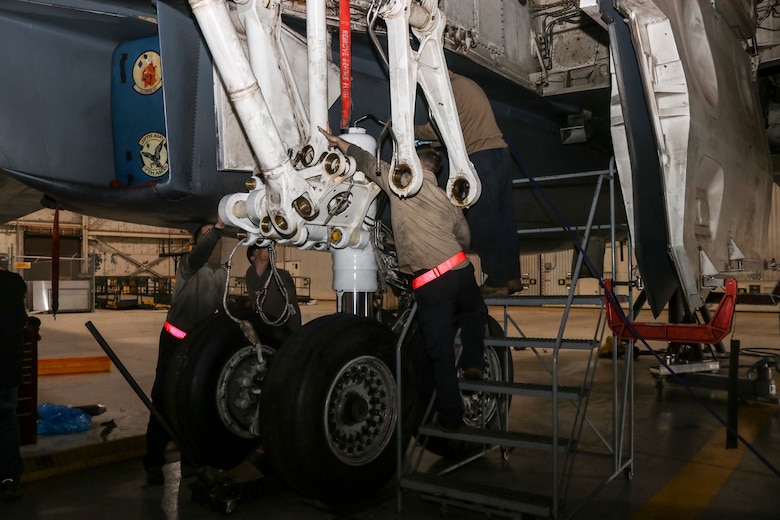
pixel 403 86
pixel 706 116
pixel 261 23
pixel 354 270
pixel 317 38
pixel 234 153
pixel 317 207
pixel 358 136
pixel 427 66
pixel 435 82
pixel 282 185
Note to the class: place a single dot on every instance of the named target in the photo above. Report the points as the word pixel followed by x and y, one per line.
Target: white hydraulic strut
pixel 317 44
pixel 427 66
pixel 262 23
pixel 282 185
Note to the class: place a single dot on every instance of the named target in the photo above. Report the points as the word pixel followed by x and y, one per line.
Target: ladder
pixel 447 487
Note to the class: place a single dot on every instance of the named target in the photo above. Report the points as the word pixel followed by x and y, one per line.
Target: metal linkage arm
pixel 463 184
pixel 263 27
pixel 428 66
pixel 406 172
pixel 282 184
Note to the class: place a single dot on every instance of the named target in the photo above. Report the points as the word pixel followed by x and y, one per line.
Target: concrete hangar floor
pixel 681 468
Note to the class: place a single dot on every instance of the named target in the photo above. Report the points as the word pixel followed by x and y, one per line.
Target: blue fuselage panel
pixel 140 144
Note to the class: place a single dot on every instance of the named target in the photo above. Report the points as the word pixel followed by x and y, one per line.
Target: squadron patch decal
pixel 147 73
pixel 154 154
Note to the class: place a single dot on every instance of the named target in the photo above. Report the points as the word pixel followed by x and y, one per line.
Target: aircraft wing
pixel 16 199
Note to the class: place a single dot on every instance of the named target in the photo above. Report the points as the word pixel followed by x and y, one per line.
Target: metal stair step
pixel 463 492
pixel 498 437
pixel 536 301
pixel 571 344
pixel 567 393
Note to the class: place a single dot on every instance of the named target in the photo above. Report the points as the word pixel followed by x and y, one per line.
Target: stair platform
pixel 498 437
pixel 569 393
pixel 500 500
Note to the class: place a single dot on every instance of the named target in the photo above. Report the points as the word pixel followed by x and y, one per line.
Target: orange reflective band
pixel 439 270
pixel 174 331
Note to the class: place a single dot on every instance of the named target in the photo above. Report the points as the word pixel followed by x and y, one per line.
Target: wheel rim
pixel 361 411
pixel 238 390
pixel 480 407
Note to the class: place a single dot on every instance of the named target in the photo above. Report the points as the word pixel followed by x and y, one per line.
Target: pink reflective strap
pixel 439 270
pixel 174 331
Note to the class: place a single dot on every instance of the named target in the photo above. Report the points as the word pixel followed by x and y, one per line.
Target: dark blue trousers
pixel 157 437
pixel 445 304
pixel 492 219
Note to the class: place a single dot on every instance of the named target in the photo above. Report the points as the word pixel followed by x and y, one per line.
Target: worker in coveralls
pixel 491 218
pixel 197 294
pixel 430 236
pixel 272 296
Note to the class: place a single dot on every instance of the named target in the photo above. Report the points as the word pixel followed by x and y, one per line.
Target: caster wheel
pixel 228 507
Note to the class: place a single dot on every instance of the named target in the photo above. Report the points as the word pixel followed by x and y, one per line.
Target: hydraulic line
pixel 289 309
pixel 246 327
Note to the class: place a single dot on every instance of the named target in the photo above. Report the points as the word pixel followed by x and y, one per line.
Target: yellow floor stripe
pixel 688 494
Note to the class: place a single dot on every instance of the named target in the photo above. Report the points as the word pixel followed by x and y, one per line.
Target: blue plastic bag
pixel 54 419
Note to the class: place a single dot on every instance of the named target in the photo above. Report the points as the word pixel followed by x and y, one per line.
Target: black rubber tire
pixel 191 395
pixel 316 373
pixel 496 363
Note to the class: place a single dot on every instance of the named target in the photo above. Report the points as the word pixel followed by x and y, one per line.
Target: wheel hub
pixel 361 410
pixel 355 410
pixel 238 390
pixel 480 407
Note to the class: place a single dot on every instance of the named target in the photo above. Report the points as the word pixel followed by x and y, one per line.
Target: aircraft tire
pixel 216 351
pixel 494 358
pixel 329 406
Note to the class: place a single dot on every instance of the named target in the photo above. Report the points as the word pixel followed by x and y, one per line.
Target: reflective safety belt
pixel 173 330
pixel 439 270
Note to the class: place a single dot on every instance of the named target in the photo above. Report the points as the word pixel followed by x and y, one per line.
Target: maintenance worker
pixel 12 321
pixel 197 294
pixel 491 219
pixel 272 296
pixel 430 236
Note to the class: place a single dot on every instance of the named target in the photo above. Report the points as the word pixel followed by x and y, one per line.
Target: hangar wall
pixel 107 248
pixel 116 248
